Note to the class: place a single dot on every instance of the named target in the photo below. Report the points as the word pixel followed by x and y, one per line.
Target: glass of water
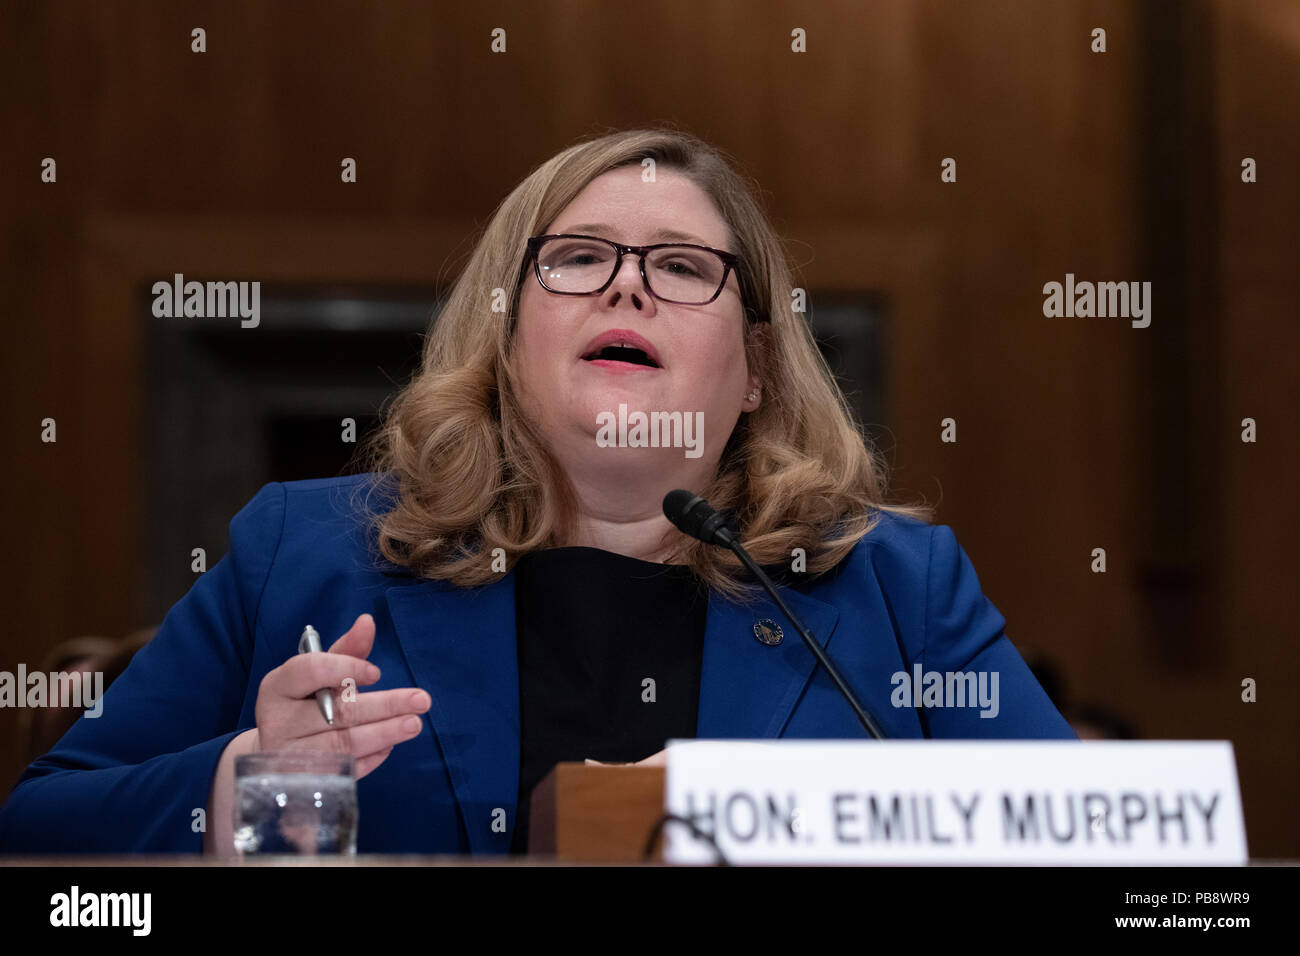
pixel 297 802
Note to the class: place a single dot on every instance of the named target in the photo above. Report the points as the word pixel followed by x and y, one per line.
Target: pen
pixel 309 643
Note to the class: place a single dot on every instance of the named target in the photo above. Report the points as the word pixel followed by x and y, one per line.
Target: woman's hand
pixel 367 727
pixel 654 760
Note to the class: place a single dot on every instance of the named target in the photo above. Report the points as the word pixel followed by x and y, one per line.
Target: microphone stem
pixel 867 721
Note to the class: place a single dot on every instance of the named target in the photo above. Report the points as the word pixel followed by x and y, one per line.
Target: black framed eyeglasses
pixel 681 273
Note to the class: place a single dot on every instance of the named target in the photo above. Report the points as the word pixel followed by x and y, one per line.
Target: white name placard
pixel 940 802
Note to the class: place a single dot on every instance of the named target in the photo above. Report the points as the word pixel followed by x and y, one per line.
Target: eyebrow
pixel 670 235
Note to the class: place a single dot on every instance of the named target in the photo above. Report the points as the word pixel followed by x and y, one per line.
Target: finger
pixel 305 716
pixel 654 760
pixel 359 639
pixel 304 674
pixel 370 762
pixel 365 738
pixel 360 765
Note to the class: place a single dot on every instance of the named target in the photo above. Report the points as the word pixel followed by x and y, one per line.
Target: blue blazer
pixel 132 779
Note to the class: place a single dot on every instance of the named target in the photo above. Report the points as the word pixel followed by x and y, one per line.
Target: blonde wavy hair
pixel 471 473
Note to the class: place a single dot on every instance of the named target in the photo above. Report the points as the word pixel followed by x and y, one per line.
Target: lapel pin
pixel 768 632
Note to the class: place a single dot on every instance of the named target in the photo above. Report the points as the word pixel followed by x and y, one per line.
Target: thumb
pixel 359 640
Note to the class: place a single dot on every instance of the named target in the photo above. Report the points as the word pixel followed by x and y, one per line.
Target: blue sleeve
pixel 129 780
pixel 964 634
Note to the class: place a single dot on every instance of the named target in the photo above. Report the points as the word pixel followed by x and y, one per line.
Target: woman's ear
pixel 753 395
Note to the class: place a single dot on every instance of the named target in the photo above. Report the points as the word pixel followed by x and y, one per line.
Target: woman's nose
pixel 628 282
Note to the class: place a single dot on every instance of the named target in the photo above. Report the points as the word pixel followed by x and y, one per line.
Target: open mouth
pixel 621 353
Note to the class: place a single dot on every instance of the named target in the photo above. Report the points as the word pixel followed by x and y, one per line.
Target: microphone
pixel 694 517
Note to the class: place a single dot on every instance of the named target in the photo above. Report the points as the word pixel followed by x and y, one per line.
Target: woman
pixel 507 563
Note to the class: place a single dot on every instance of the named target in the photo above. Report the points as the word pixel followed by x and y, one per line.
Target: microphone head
pixel 694 517
pixel 678 507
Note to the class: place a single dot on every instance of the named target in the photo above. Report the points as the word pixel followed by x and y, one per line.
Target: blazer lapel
pixel 748 689
pixel 460 645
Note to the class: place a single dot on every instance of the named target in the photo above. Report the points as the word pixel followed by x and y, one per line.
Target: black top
pixel 593 630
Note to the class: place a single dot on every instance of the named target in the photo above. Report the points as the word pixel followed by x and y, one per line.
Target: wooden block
pixel 582 814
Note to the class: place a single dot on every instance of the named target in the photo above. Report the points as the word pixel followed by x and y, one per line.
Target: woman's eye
pixel 580 256
pixel 681 268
